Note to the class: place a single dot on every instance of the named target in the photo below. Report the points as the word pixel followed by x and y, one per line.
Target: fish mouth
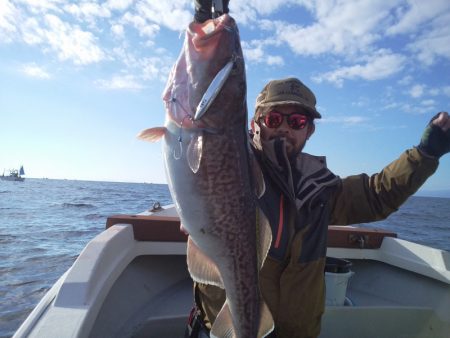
pixel 210 44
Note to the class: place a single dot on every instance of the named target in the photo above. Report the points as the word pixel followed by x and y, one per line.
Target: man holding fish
pixel 256 207
pixel 302 197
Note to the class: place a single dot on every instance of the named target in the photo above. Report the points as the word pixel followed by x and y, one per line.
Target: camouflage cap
pixel 287 91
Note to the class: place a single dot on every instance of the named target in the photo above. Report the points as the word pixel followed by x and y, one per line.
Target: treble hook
pixel 180 139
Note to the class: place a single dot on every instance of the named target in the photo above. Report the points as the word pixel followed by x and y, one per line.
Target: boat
pixel 14 175
pixel 132 281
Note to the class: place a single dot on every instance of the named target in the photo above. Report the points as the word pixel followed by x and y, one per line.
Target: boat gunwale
pixel 154 227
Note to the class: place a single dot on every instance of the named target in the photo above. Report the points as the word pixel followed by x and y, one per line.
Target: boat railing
pixel 167 229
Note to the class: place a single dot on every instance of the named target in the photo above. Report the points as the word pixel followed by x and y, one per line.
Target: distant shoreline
pixel 444 193
pixel 433 193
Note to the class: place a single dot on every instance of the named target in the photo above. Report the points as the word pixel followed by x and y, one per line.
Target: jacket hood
pixel 299 178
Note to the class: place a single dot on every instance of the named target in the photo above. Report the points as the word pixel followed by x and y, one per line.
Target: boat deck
pixel 132 281
pixel 160 305
pixel 381 307
pixel 384 300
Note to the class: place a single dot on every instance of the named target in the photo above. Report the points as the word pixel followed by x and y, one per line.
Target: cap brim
pixel 313 112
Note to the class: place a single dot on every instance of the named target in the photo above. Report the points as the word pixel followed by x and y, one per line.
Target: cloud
pixel 349 30
pixel 128 82
pixel 274 60
pixel 32 70
pixel 391 105
pixel 146 68
pixel 43 6
pixel 434 91
pixel 428 103
pixel 250 12
pixel 427 24
pixel 351 40
pixel 362 102
pixel 446 90
pixel 170 14
pixel 7 22
pixel 378 66
pixel 144 27
pixel 416 109
pixel 88 11
pixel 352 27
pixel 119 5
pixel 406 80
pixel 354 120
pixel 262 7
pixel 410 15
pixel 48 31
pixel 156 67
pixel 118 31
pixel 417 91
pixel 138 71
pixel 434 43
pixel 347 121
pixel 422 90
pixel 255 52
pixel 338 28
pixel 70 42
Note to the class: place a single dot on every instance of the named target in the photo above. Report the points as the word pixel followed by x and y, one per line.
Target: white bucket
pixel 336 287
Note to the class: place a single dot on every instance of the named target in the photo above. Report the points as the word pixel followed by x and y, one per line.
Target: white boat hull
pixel 123 287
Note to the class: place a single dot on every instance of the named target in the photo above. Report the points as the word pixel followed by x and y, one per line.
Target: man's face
pixel 295 139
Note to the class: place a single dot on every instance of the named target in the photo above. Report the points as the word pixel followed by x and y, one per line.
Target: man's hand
pixel 436 137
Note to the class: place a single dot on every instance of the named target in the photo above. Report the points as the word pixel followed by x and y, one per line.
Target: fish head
pixel 208 49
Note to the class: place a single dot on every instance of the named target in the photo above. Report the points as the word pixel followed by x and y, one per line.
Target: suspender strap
pixel 195 326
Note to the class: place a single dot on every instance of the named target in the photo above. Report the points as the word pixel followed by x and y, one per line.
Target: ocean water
pixel 44 224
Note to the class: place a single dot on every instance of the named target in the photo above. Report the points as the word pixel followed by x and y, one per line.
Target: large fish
pixel 209 171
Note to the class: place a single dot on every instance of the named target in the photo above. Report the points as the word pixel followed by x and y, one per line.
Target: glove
pixel 202 10
pixel 435 141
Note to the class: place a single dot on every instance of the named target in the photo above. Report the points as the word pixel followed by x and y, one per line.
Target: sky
pixel 79 80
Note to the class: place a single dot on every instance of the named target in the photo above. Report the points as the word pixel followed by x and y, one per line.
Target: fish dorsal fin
pixel 152 134
pixel 201 267
pixel 264 236
pixel 223 325
pixel 194 152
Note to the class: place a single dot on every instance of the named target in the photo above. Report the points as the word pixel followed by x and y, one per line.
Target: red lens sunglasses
pixel 296 121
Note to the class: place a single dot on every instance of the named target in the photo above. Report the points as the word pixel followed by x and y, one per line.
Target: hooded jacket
pixel 301 199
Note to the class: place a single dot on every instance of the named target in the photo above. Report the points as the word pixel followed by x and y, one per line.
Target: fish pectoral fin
pixel 152 134
pixel 202 268
pixel 264 236
pixel 223 325
pixel 194 152
pixel 266 324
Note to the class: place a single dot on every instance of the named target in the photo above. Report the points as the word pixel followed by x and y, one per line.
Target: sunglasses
pixel 296 121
